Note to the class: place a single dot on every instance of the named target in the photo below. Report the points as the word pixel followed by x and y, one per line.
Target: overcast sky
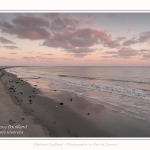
pixel 76 39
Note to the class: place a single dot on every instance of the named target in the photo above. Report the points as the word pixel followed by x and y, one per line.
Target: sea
pixel 123 89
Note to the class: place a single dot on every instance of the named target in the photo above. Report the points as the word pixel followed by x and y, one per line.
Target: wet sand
pixel 67 115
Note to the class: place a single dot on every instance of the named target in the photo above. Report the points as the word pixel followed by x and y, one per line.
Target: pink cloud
pixel 143 37
pixel 79 42
pixel 48 54
pixel 11 47
pixel 110 52
pixel 26 27
pixel 4 58
pixel 124 52
pixel 130 42
pixel 5 41
pixel 13 53
pixel 85 37
pixel 120 38
pixel 65 24
pixel 67 59
pixel 106 56
pixel 144 50
pixel 127 52
pixel 29 58
pixel 146 56
pixel 30 20
pixel 80 52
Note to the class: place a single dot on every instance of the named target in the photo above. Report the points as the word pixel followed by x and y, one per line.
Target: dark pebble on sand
pixel 54 122
pixel 30 100
pixel 33 91
pixel 70 99
pixel 22 118
pixel 88 114
pixel 31 96
pixel 61 103
pixel 55 90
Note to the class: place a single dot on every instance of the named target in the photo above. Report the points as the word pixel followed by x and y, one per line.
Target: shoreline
pixel 72 119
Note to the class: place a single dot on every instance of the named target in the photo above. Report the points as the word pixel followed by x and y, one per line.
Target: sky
pixel 75 39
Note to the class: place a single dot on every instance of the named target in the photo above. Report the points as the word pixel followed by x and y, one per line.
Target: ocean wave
pixel 132 81
pixel 131 92
pixel 106 79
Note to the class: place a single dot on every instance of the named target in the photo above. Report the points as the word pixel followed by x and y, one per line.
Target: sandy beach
pixel 61 114
pixel 16 122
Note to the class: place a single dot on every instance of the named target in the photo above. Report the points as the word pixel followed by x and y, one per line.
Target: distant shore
pixel 63 114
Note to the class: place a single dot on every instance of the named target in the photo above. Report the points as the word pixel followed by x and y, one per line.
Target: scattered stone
pixel 88 114
pixel 56 106
pixel 31 96
pixel 55 90
pixel 11 122
pixel 70 99
pixel 22 118
pixel 54 122
pixel 61 103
